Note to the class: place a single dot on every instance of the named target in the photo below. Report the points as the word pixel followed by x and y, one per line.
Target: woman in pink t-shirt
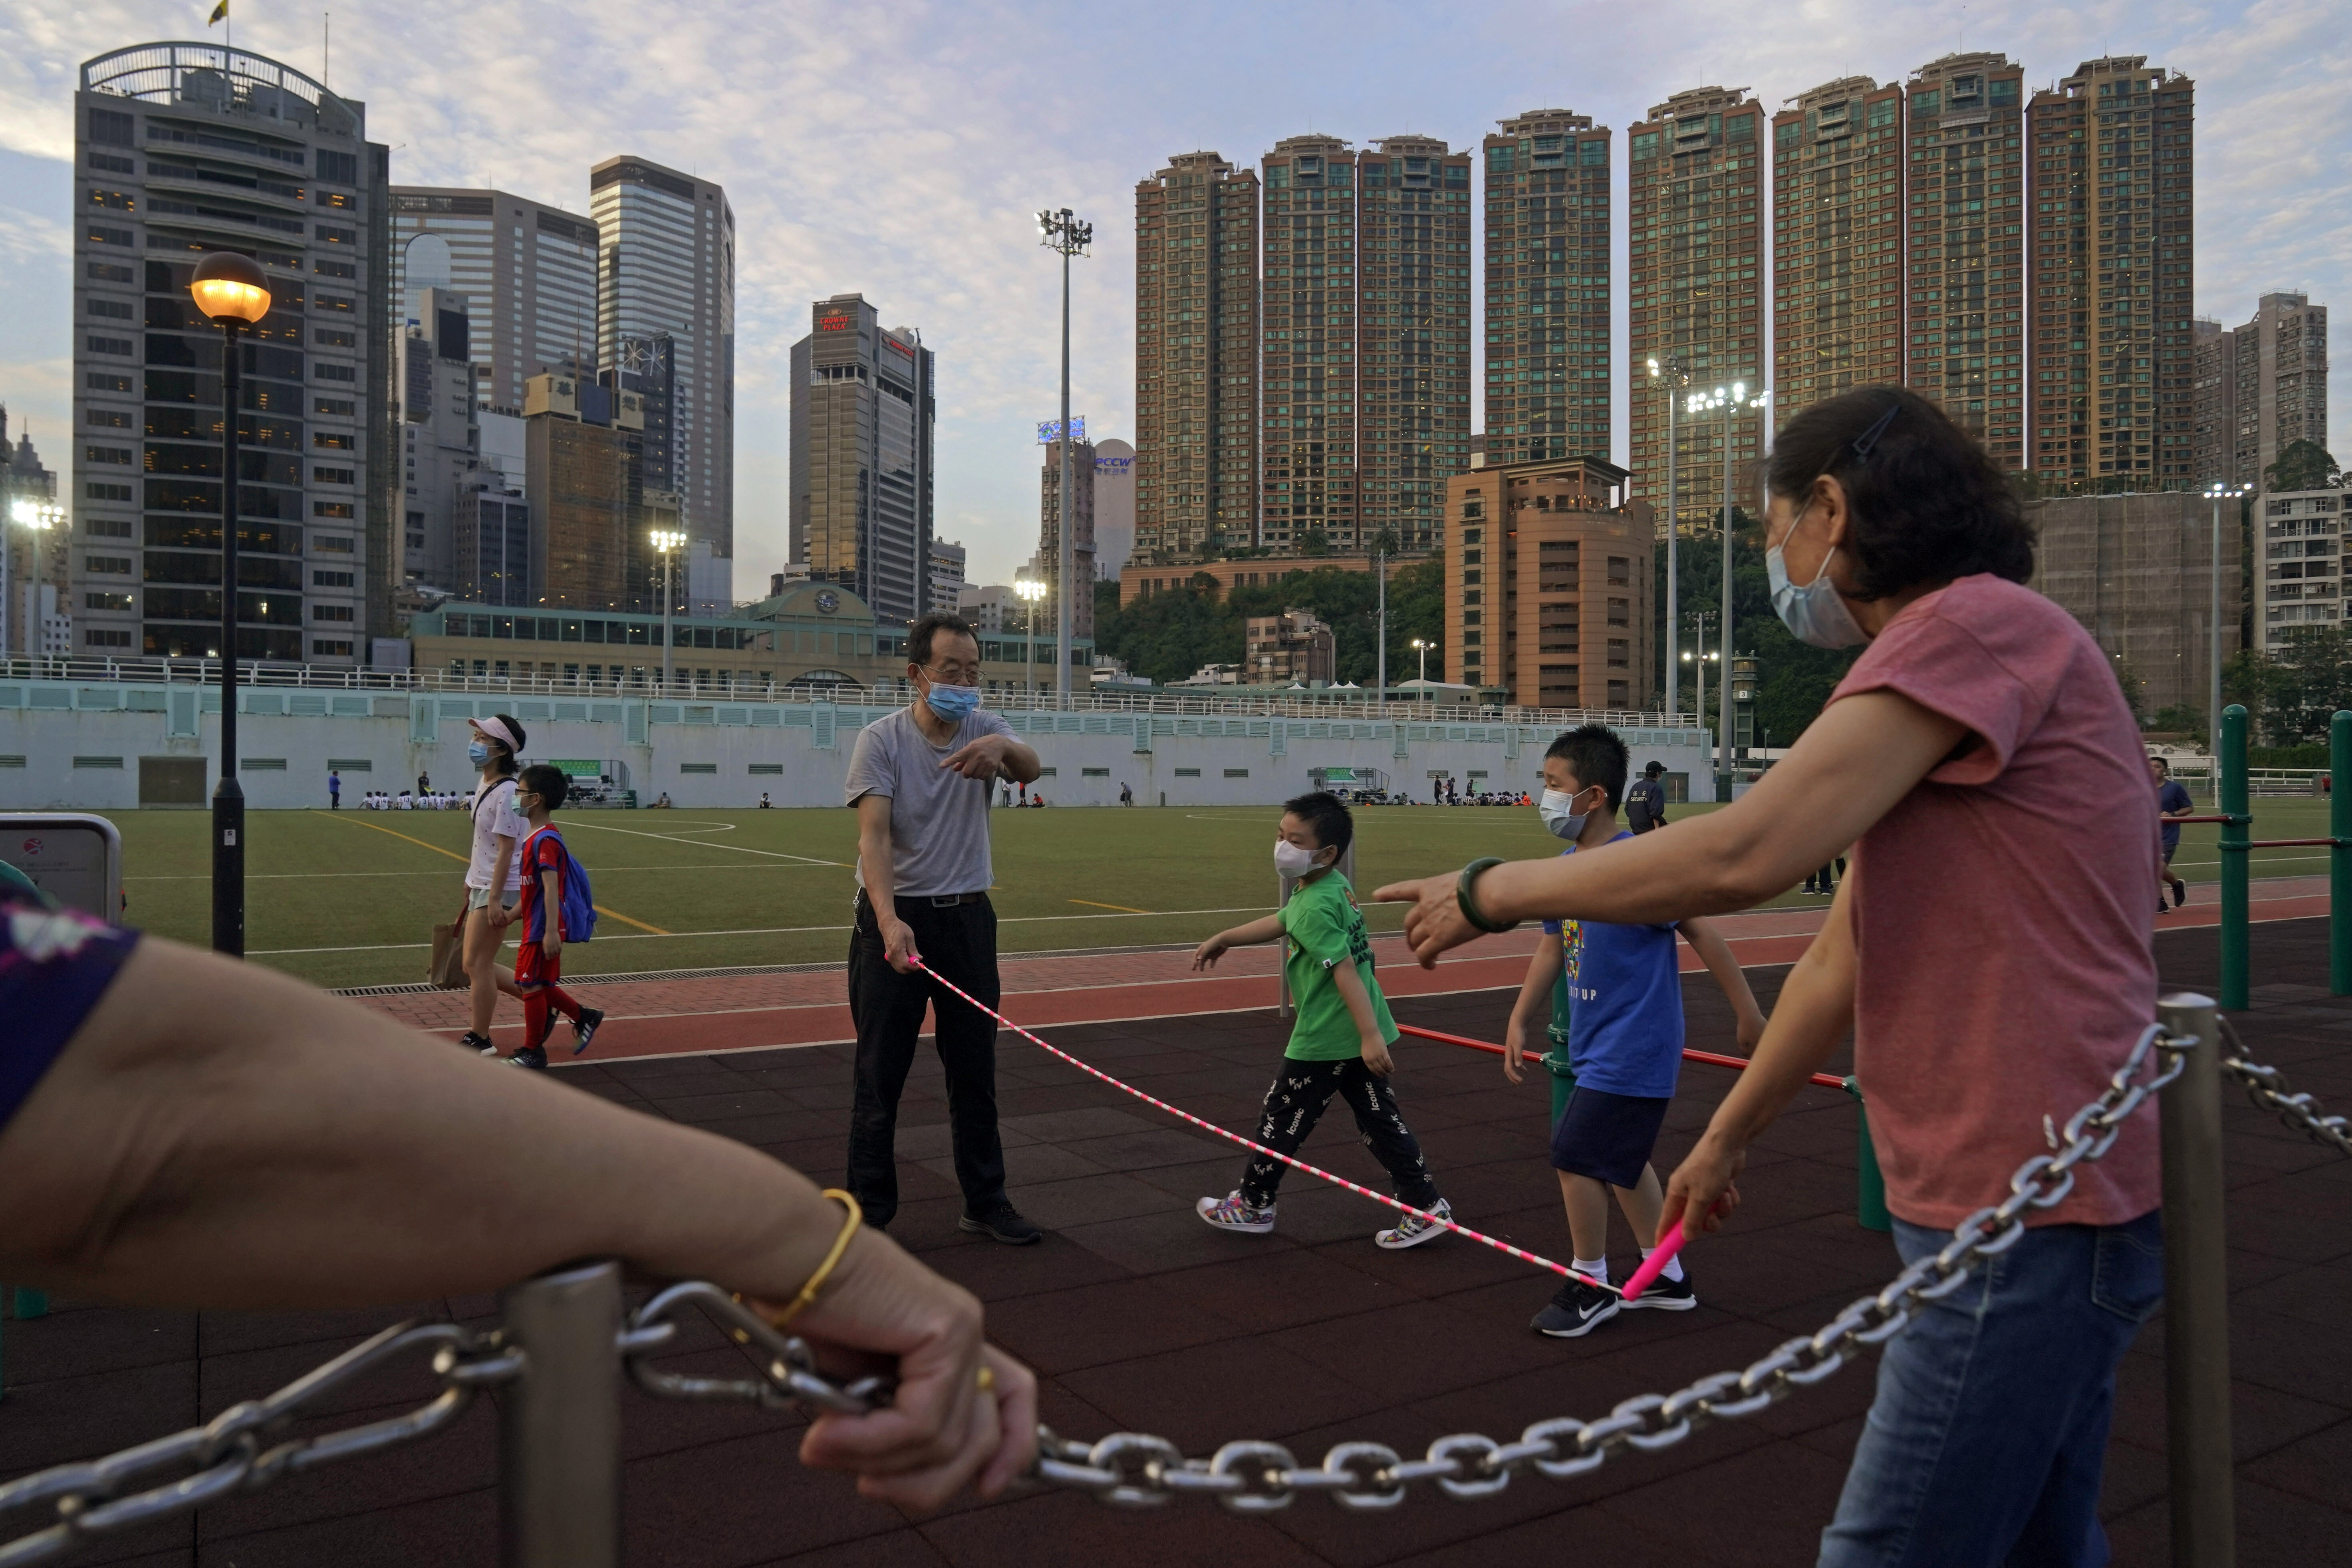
pixel 1990 952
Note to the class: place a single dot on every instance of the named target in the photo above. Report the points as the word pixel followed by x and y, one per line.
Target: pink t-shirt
pixel 2003 912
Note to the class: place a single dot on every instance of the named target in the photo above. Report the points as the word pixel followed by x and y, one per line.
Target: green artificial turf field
pixel 349 897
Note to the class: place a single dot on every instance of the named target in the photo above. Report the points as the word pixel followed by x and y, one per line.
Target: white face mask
pixel 1292 861
pixel 1563 821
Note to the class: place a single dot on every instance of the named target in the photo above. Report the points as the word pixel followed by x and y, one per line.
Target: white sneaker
pixel 1413 1230
pixel 1232 1212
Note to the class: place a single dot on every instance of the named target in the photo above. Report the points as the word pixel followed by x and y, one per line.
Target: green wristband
pixel 1467 900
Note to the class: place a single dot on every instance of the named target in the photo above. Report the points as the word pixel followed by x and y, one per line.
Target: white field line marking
pixel 602 870
pixel 697 844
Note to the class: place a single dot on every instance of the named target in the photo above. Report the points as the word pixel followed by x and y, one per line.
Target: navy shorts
pixel 2168 849
pixel 1606 1136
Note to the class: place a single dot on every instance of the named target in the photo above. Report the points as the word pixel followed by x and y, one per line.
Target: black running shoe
pixel 533 1056
pixel 1576 1312
pixel 1003 1222
pixel 1666 1295
pixel 583 1028
pixel 479 1044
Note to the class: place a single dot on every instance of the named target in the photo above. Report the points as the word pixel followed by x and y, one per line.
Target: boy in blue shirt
pixel 1625 1042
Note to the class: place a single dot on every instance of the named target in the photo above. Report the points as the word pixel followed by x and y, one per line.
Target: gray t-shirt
pixel 938 819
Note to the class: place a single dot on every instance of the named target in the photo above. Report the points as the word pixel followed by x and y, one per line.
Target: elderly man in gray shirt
pixel 920 781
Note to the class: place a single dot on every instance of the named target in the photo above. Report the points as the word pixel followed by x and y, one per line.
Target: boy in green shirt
pixel 1340 1042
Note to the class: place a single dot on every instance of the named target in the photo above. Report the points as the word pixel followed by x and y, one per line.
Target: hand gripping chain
pixel 2267 1087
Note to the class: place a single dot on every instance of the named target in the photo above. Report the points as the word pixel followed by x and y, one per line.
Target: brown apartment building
pixel 2259 388
pixel 1695 282
pixel 1967 260
pixel 1547 284
pixel 1196 337
pixel 1552 600
pixel 2111 236
pixel 1838 160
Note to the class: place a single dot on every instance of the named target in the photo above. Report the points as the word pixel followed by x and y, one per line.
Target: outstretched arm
pixel 1205 956
pixel 217 1135
pixel 1715 953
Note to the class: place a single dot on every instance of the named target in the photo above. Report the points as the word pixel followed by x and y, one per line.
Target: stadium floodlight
pixel 2218 493
pixel 1674 373
pixel 1067 235
pixel 1031 589
pixel 667 543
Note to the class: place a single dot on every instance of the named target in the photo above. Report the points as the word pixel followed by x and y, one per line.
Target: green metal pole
pixel 31 1303
pixel 1870 1184
pixel 2237 855
pixel 2340 854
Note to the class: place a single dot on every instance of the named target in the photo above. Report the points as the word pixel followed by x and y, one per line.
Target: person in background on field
pixel 1990 957
pixel 538 958
pixel 1825 880
pixel 765 805
pixel 424 782
pixel 493 876
pixel 334 790
pixel 1126 795
pixel 920 780
pixel 2172 801
pixel 1340 1043
pixel 1646 800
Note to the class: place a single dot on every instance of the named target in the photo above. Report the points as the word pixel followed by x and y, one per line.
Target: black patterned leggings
pixel 1295 1102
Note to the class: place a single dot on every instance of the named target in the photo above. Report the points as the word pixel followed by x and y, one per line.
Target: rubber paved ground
pixel 1142 1318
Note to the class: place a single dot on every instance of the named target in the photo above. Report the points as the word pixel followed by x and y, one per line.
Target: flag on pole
pixel 220 13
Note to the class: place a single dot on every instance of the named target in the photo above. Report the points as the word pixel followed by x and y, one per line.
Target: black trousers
pixel 1295 1102
pixel 960 942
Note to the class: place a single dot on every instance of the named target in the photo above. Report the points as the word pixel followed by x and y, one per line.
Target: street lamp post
pixel 1698 661
pixel 1032 589
pixel 231 290
pixel 1422 648
pixel 1676 376
pixel 21 603
pixel 1067 235
pixel 2219 493
pixel 1734 401
pixel 667 543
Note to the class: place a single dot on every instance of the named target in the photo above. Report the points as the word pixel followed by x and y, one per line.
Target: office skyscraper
pixel 668 266
pixel 1838 158
pixel 1968 247
pixel 181 148
pixel 1548 290
pixel 1694 284
pixel 863 414
pixel 1196 340
pixel 527 272
pixel 1412 346
pixel 2111 236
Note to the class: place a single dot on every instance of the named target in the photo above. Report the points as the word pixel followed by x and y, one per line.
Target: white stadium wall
pixel 79 746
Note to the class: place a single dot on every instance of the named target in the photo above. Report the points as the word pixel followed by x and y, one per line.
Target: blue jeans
pixel 1986 1441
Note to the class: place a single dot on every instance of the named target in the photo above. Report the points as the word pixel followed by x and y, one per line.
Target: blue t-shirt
pixel 1625 1036
pixel 2173 797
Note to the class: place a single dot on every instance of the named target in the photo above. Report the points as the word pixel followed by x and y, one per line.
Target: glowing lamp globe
pixel 228 286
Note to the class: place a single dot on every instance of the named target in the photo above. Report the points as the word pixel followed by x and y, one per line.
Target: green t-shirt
pixel 1325 929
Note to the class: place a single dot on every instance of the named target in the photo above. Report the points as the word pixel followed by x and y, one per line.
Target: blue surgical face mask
pixel 1816 613
pixel 953 703
pixel 1558 818
pixel 477 752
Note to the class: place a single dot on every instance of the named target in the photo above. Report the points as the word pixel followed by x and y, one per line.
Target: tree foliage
pixel 2303 465
pixel 1793 679
pixel 2290 698
pixel 1166 636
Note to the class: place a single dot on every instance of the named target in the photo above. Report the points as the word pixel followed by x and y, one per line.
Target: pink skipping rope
pixel 1641 1277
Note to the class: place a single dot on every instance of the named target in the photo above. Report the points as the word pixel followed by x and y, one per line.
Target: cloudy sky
pixel 899 149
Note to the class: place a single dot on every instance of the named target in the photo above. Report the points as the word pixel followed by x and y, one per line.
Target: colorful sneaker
pixel 583 1028
pixel 533 1056
pixel 1233 1213
pixel 1413 1230
pixel 1666 1295
pixel 1576 1312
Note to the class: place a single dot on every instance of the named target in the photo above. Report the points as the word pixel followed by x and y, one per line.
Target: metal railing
pixel 564 1343
pixel 881 694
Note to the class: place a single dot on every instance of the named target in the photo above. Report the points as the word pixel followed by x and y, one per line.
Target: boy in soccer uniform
pixel 538 962
pixel 1625 1046
pixel 1340 1042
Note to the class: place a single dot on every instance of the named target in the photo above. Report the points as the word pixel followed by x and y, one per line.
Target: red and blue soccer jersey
pixel 542 851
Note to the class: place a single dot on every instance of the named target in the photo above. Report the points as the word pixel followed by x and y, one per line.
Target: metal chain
pixel 233 1452
pixel 2268 1087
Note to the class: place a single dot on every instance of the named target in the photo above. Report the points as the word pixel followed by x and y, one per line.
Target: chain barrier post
pixel 2340 854
pixel 1869 1181
pixel 560 1430
pixel 2195 1288
pixel 31 1303
pixel 2237 853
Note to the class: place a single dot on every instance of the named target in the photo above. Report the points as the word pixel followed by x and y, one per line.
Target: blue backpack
pixel 579 902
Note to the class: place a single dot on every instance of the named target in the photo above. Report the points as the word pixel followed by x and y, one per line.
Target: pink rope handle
pixel 1479 1237
pixel 1654 1265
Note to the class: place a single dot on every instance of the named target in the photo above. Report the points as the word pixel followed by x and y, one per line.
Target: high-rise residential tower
pixel 181 148
pixel 863 415
pixel 1412 345
pixel 1045 567
pixel 668 266
pixel 1196 337
pixel 1967 261
pixel 2278 364
pixel 1695 283
pixel 527 272
pixel 2213 416
pixel 2114 223
pixel 1547 292
pixel 1838 158
pixel 1307 461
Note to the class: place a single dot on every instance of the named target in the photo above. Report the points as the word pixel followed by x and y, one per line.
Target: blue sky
pixel 900 150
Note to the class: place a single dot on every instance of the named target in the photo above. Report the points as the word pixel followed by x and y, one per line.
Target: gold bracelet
pixel 825 1269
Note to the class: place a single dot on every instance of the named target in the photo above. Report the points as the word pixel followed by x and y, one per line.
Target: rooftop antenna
pixel 327 48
